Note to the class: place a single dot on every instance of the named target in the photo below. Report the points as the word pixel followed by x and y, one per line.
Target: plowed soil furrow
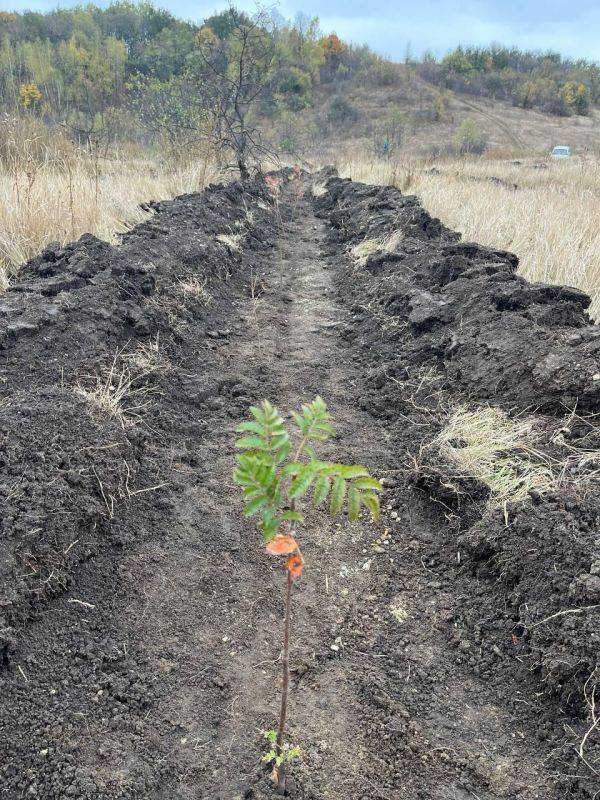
pixel 151 669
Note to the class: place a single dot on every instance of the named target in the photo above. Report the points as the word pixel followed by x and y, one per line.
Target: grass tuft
pixel 231 240
pixel 120 393
pixel 485 444
pixel 194 287
pixel 363 251
pixel 319 189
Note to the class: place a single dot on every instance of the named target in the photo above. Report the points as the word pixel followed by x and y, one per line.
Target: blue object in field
pixel 561 151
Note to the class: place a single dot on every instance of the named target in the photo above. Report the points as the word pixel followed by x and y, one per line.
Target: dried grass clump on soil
pixel 485 444
pixel 361 252
pixel 121 392
pixel 319 189
pixel 549 220
pixel 510 456
pixel 231 240
pixel 196 288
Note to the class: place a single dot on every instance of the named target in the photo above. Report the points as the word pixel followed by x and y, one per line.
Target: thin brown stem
pixel 286 683
pixel 301 447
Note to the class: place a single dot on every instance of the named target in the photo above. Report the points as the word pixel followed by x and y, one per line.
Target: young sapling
pixel 276 476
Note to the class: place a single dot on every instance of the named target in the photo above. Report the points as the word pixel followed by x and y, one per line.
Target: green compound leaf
pixel 270 485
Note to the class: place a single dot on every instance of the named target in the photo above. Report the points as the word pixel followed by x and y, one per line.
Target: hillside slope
pixel 407 112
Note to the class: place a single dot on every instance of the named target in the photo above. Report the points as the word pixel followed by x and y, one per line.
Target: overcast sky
pixel 572 28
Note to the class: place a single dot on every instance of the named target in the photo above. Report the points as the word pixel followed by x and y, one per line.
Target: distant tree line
pixel 134 71
pixel 546 81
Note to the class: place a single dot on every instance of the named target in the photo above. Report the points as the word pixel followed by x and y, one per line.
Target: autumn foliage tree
pixel 29 95
pixel 333 49
pixel 277 474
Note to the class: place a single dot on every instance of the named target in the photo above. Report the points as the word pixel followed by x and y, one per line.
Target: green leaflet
pixel 338 492
pixel 293 468
pixel 371 501
pixel 268 524
pixel 368 483
pixel 353 503
pixel 250 492
pixel 254 505
pixel 270 756
pixel 354 471
pixel 322 486
pixel 301 482
pixel 282 452
pixel 250 427
pixel 251 443
pixel 292 516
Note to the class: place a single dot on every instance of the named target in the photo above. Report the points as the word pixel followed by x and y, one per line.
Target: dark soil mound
pixel 71 325
pixel 494 334
pixel 441 322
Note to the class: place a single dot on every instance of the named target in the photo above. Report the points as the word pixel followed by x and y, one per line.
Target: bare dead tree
pixel 236 70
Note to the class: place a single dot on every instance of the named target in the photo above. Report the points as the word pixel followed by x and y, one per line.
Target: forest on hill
pixel 529 80
pixel 135 72
pixel 89 67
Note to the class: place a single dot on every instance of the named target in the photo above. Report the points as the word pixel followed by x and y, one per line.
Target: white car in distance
pixel 561 151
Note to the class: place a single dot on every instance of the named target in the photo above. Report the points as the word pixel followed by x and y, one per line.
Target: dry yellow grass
pixel 486 444
pixel 361 252
pixel 59 202
pixel 549 221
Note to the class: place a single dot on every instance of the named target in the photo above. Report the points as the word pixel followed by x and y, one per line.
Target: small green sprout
pixel 288 755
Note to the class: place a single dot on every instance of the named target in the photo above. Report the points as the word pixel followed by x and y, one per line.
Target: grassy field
pixel 545 212
pixel 61 200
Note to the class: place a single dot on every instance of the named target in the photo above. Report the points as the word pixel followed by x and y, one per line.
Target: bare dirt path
pixel 183 623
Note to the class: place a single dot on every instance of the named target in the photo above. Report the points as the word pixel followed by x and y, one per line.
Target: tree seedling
pixel 288 756
pixel 275 476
